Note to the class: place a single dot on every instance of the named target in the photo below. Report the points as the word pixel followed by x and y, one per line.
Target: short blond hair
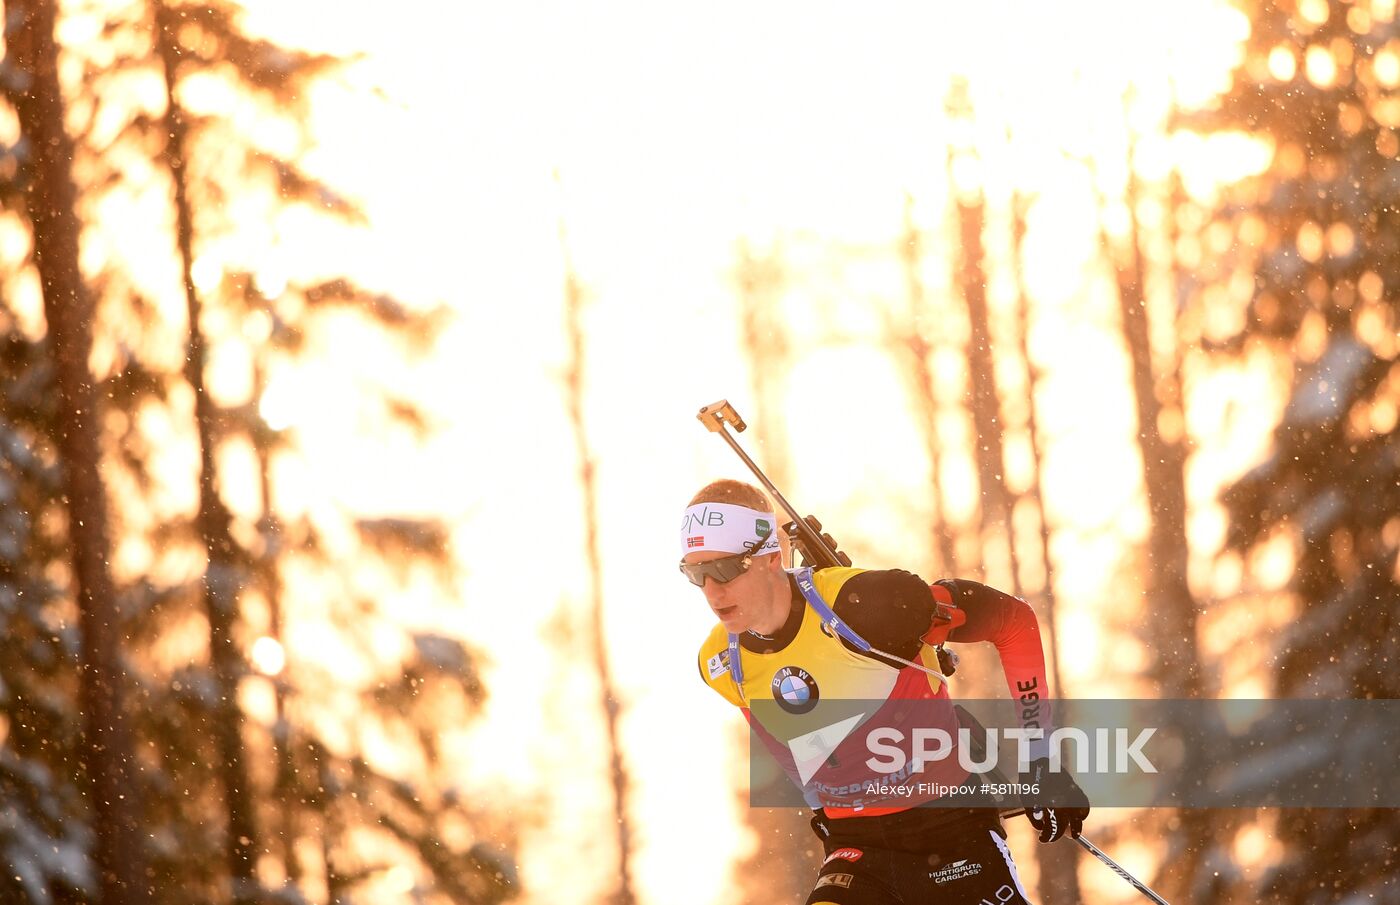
pixel 728 490
pixel 741 493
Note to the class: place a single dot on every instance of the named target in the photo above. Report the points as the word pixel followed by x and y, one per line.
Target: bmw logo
pixel 795 690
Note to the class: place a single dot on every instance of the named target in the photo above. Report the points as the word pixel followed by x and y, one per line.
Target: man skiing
pixel 787 638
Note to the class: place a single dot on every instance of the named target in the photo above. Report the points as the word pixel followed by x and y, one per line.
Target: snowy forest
pixel 349 363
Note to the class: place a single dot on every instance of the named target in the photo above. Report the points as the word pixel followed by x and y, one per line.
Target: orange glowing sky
pixel 675 132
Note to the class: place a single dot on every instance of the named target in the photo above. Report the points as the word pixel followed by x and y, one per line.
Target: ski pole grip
pixel 714 416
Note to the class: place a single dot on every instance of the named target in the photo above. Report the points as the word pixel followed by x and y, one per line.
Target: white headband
pixel 728 529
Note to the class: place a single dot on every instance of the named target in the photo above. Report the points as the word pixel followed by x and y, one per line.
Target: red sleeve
pixel 1010 624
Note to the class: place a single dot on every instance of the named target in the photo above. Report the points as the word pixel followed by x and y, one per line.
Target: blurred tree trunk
pixel 611 706
pixel 1059 881
pixel 223 576
pixel 1171 609
pixel 768 347
pixel 910 339
pixel 51 198
pixel 785 864
pixel 985 401
pixel 1157 397
pixel 1033 376
pixel 285 786
pixel 1059 877
pixel 783 867
pixel 332 829
pixel 970 280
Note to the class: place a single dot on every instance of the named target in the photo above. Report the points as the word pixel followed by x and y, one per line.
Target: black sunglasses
pixel 725 568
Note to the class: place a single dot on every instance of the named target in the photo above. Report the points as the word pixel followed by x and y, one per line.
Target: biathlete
pixel 788 639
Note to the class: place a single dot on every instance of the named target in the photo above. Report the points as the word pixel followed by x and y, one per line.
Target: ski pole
pixel 1097 852
pixel 1118 869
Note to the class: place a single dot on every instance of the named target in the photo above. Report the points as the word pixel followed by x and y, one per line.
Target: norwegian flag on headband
pixel 697 541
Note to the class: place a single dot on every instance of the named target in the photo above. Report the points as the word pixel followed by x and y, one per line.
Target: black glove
pixel 1058 805
pixel 801 546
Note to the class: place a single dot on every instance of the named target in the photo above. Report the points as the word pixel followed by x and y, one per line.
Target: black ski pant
pixel 969 864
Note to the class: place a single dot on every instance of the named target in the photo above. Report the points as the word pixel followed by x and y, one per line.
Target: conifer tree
pixel 50 201
pixel 202 844
pixel 1318 84
pixel 46 832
